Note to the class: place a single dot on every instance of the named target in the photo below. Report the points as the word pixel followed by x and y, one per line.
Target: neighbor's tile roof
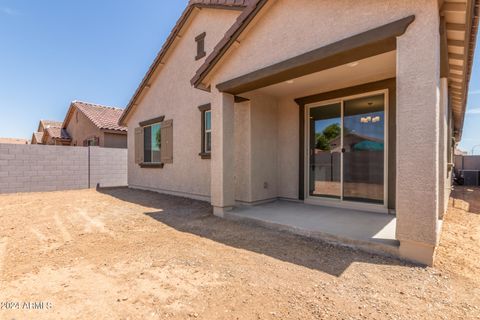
pixel 13 141
pixel 104 117
pixel 38 136
pixel 51 123
pixel 58 133
pixel 221 4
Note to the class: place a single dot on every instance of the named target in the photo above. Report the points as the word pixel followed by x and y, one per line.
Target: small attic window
pixel 200 39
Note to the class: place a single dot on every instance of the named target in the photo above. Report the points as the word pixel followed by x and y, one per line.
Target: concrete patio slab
pixel 367 231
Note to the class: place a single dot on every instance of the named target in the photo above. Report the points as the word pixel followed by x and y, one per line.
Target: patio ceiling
pixel 379 67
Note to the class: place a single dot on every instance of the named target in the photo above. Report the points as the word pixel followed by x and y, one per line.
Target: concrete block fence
pixel 467 162
pixel 38 168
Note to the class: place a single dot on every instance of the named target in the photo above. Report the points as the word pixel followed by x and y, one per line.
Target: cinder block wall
pixel 108 167
pixel 38 168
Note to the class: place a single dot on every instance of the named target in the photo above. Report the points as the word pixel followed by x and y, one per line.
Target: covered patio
pixel 330 130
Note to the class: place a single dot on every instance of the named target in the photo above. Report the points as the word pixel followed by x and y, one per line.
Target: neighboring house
pixel 90 124
pixel 13 141
pixel 230 107
pixel 37 137
pixel 56 136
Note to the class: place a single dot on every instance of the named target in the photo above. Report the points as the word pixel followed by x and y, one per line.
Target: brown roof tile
pixel 38 136
pixel 50 123
pixel 104 117
pixel 222 4
pixel 58 133
pixel 13 141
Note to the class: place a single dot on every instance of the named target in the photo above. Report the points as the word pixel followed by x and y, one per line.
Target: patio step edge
pixel 356 244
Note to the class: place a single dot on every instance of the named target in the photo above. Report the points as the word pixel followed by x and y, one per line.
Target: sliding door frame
pixel 383 208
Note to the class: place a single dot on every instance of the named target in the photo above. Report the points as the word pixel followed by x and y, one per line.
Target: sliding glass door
pixel 347 155
pixel 325 151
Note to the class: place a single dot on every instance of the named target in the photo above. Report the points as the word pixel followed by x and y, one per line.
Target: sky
pixel 55 51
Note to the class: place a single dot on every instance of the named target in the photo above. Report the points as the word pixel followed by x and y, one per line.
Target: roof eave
pixel 165 48
pixel 221 49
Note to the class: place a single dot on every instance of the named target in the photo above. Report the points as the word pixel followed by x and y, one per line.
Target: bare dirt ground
pixel 123 254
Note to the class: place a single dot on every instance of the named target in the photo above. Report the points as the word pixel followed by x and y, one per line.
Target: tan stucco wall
pixel 82 129
pixel 256 149
pixel 114 140
pixel 288 148
pixel 243 159
pixel 172 95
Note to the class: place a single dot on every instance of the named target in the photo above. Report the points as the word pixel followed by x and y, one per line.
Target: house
pixel 91 124
pixel 13 141
pixel 37 137
pixel 230 108
pixel 56 136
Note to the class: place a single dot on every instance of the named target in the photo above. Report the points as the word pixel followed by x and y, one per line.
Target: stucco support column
pixel 443 163
pixel 418 77
pixel 223 161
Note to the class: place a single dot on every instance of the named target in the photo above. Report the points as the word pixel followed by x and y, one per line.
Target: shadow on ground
pixel 195 217
pixel 466 198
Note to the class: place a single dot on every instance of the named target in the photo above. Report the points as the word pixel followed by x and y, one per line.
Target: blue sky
pixel 56 51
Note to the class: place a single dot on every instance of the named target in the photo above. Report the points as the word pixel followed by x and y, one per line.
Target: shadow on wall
pixel 466 198
pixel 195 217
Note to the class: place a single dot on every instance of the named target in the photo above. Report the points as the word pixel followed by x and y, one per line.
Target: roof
pixel 216 4
pixel 38 136
pixel 103 117
pixel 230 36
pixel 49 123
pixel 57 133
pixel 460 98
pixel 13 141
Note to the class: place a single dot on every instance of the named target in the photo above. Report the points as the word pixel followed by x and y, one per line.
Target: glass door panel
pixel 364 149
pixel 325 151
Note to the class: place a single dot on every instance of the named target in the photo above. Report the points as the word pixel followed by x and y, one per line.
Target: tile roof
pixel 38 136
pixel 104 117
pixel 220 4
pixel 13 141
pixel 51 123
pixel 58 133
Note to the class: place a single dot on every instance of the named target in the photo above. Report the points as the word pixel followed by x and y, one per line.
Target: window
pixel 206 132
pixel 200 39
pixel 152 142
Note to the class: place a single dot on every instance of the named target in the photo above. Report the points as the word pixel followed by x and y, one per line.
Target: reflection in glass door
pixel 364 149
pixel 347 149
pixel 325 151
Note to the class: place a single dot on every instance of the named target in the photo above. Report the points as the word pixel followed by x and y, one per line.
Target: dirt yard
pixel 123 254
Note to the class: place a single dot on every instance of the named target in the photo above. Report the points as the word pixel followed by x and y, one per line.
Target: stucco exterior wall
pixel 242 149
pixel 288 149
pixel 264 147
pixel 114 140
pixel 81 128
pixel 172 96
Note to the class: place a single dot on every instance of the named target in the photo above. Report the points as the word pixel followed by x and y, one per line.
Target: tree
pixel 328 134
